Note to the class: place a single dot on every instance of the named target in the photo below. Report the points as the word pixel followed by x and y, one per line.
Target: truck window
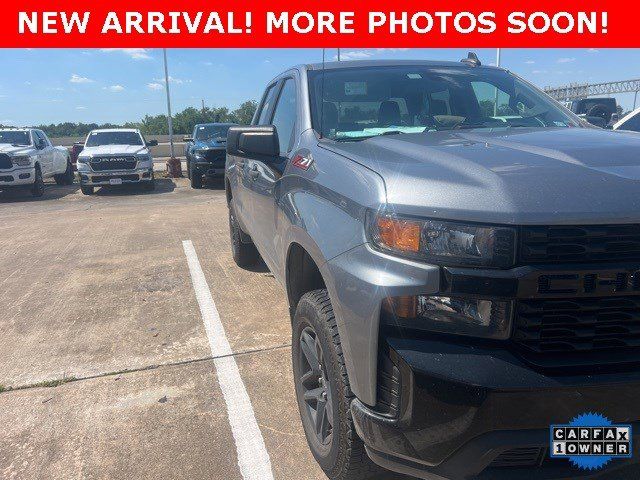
pixel 284 117
pixel 632 124
pixel 493 102
pixel 266 105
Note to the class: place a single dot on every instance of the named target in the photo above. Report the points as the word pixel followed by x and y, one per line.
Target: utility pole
pixel 174 166
pixel 338 54
pixel 495 103
pixel 203 106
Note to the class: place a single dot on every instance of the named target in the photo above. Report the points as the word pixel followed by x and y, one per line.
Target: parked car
pixel 116 157
pixel 597 111
pixel 461 270
pixel 27 158
pixel 206 151
pixel 630 122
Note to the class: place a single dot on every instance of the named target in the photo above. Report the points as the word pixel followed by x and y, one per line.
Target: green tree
pixel 244 113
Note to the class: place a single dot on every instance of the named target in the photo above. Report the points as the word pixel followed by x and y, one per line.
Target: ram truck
pixel 206 151
pixel 115 157
pixel 461 256
pixel 27 158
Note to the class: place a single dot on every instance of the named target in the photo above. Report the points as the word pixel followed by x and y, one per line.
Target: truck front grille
pixel 217 157
pixel 596 331
pixel 101 164
pixel 595 243
pixel 5 161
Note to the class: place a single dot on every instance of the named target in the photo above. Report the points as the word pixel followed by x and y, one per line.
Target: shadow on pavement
pixel 163 185
pixel 51 192
pixel 216 183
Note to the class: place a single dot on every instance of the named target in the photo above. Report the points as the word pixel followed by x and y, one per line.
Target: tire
pixel 341 455
pixel 86 189
pixel 188 168
pixel 196 179
pixel 244 253
pixel 150 186
pixel 65 178
pixel 37 189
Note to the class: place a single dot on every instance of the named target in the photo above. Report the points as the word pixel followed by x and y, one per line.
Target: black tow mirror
pixel 260 142
pixel 152 143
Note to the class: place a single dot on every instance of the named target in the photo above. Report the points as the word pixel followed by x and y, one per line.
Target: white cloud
pixel 593 50
pixel 529 62
pixel 79 79
pixel 537 72
pixel 155 86
pixel 134 53
pixel 354 55
pixel 177 81
pixel 114 88
pixel 566 60
pixel 207 64
pixel 81 107
pixel 364 54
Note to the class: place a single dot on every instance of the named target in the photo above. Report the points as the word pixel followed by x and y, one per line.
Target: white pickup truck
pixel 27 158
pixel 115 157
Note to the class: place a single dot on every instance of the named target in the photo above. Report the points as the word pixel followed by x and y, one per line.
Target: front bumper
pixel 464 405
pixel 103 178
pixel 209 169
pixel 17 177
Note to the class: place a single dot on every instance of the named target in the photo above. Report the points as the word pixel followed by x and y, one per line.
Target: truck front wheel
pixel 196 178
pixel 323 391
pixel 86 189
pixel 37 189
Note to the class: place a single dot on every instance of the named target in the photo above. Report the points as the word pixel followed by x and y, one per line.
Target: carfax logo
pixel 590 441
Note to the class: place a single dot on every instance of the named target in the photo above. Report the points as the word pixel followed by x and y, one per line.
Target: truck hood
pixel 509 176
pixel 15 150
pixel 115 150
pixel 219 142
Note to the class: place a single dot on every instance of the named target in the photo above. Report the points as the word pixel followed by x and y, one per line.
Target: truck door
pixel 242 165
pixel 45 153
pixel 262 178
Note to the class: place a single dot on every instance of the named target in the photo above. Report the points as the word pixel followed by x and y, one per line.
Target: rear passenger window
pixel 284 117
pixel 266 105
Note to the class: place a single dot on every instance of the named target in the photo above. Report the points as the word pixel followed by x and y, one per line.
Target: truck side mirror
pixel 261 142
pixel 187 139
pixel 152 143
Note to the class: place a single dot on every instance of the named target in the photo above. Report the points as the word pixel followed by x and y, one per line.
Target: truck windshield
pixel 15 137
pixel 359 103
pixel 209 132
pixel 95 139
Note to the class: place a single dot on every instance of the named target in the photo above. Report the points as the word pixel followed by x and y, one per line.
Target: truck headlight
pixel 485 318
pixel 442 242
pixel 144 158
pixel 83 160
pixel 21 161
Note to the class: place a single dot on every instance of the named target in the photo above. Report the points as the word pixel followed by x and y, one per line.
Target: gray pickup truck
pixel 461 256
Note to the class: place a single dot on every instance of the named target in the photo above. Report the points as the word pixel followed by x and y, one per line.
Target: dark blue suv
pixel 206 151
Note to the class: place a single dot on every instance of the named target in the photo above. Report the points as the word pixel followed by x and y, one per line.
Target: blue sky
pixel 118 85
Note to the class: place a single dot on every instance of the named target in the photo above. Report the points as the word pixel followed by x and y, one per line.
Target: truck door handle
pixel 254 173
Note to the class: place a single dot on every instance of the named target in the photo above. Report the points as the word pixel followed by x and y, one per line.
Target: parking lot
pixel 107 370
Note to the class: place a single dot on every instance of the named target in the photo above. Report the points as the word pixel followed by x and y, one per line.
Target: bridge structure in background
pixel 575 91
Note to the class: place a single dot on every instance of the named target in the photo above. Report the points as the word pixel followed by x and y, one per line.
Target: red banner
pixel 286 23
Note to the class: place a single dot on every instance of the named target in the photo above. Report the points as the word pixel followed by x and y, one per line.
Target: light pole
pixel 497 57
pixel 174 166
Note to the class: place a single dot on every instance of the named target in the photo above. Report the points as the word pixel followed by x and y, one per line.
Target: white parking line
pixel 253 459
